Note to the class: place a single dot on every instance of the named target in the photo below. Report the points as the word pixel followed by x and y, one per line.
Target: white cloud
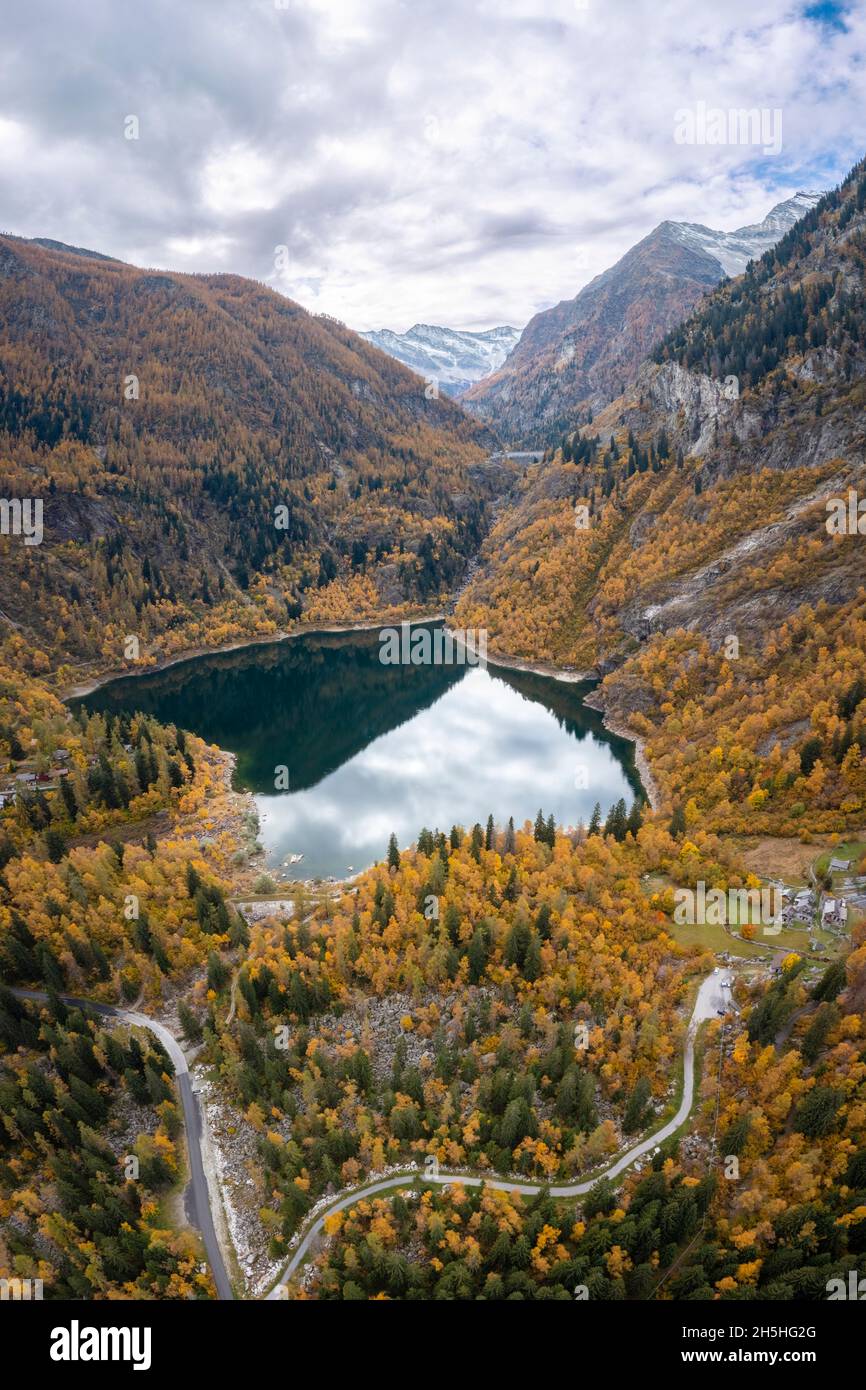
pixel 237 180
pixel 193 250
pixel 457 161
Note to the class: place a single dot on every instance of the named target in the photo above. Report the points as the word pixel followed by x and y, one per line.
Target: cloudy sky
pixel 464 162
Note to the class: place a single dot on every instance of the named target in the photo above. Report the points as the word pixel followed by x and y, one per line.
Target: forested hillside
pixel 214 462
pixel 680 544
pixel 573 359
pixel 532 1023
pixel 88 1146
pixel 765 1199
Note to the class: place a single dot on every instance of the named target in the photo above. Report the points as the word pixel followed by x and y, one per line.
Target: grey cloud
pixel 405 153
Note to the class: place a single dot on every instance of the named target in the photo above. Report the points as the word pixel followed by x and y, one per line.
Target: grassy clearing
pixel 851 849
pixel 713 938
pixel 837 948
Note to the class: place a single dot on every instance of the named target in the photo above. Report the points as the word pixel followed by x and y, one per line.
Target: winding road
pixel 198 1194
pixel 714 996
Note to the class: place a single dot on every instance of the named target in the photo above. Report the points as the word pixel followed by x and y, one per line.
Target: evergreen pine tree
pixel 510 841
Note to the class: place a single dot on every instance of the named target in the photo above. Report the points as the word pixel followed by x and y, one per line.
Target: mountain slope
pixel 213 461
pixel 707 504
pixel 452 357
pixel 577 356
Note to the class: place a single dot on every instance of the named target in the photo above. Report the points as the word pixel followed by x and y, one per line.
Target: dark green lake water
pixel 372 749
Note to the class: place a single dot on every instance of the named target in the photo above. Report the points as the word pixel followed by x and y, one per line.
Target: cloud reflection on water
pixel 481 748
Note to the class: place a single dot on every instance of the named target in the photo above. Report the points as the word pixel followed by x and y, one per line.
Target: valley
pixel 461 1047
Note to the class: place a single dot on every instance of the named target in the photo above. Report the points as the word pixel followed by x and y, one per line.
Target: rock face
pixel 579 355
pixel 712 477
pixel 452 357
pixel 702 412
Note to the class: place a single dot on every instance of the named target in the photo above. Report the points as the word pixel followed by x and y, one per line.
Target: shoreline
pixel 641 761
pixel 543 668
pixel 87 687
pixel 505 662
pixel 616 727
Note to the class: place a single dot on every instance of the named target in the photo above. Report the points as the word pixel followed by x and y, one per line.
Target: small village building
pixel 834 913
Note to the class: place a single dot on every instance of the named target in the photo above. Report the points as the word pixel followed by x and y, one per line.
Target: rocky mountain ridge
pixel 574 358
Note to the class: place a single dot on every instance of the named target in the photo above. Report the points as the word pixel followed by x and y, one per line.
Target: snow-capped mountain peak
pixel 734 250
pixel 455 357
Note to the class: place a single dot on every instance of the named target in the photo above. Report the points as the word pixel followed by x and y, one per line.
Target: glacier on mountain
pixel 734 250
pixel 455 358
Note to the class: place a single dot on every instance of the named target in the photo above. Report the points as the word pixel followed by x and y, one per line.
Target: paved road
pixel 197 1192
pixel 713 996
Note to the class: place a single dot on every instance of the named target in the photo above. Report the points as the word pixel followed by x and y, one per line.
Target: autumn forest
pixel 485 1066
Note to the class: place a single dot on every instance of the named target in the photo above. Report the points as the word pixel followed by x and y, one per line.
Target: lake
pixel 367 748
